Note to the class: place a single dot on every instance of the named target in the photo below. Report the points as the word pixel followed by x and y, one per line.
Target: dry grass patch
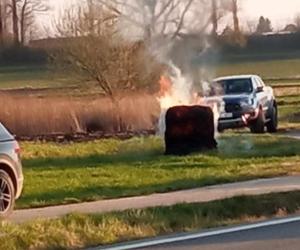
pixel 30 116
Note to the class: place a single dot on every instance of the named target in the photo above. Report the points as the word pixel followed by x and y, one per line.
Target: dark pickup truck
pixel 245 101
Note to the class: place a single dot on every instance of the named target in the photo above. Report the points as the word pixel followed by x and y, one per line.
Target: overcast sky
pixel 280 12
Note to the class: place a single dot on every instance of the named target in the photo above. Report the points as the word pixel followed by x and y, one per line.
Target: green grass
pixel 32 76
pixel 58 174
pixel 82 231
pixel 289 107
pixel 288 100
pixel 290 114
pixel 274 71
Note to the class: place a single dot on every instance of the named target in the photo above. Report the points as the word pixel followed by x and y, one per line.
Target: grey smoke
pixel 190 56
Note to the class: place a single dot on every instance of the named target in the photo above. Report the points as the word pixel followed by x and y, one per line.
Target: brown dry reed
pixel 32 116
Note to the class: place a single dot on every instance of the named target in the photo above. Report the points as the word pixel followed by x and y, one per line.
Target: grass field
pixel 32 76
pixel 271 70
pixel 274 71
pixel 290 114
pixel 59 174
pixel 289 111
pixel 82 231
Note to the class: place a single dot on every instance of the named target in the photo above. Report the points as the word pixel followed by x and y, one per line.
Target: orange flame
pixel 165 83
pixel 165 86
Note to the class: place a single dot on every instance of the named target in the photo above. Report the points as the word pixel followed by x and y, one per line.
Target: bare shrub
pixel 94 52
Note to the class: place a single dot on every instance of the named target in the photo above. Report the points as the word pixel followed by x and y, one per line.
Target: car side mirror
pixel 260 89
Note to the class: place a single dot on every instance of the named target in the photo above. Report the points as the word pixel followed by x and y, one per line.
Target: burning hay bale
pixel 189 129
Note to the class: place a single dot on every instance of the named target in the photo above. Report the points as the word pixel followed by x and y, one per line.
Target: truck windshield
pixel 233 86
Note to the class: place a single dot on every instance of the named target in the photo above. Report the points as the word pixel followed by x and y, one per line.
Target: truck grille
pixel 232 107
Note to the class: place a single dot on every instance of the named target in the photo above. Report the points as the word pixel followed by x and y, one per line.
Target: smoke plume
pixel 175 34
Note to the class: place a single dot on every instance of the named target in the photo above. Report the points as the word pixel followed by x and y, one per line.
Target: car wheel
pixel 273 123
pixel 7 195
pixel 258 126
pixel 220 130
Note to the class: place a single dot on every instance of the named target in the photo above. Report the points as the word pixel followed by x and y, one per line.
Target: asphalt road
pixel 276 237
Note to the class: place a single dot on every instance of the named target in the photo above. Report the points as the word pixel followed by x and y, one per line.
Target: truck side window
pixel 261 82
pixel 256 83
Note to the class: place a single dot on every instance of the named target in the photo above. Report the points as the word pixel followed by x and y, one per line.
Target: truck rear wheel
pixel 258 126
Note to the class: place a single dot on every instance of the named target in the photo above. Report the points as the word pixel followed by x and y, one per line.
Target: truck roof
pixel 233 77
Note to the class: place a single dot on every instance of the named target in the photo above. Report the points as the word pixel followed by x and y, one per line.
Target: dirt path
pixel 205 194
pixel 293 134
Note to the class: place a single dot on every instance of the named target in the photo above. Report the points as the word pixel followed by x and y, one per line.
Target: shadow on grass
pixel 245 147
pixel 238 148
pixel 94 160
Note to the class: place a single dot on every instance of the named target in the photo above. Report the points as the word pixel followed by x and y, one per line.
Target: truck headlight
pixel 247 102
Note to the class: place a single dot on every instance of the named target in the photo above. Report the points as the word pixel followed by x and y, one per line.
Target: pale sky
pixel 280 12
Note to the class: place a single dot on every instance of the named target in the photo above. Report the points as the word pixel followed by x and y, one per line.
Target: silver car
pixel 11 176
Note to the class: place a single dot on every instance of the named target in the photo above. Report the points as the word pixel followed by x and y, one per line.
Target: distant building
pixel 273 33
pixel 292 28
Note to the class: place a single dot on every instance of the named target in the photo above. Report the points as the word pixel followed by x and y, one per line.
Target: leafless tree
pixel 236 23
pixel 251 26
pixel 297 21
pixel 4 22
pixel 14 10
pixel 219 9
pixel 233 7
pixel 28 11
pixel 169 18
pixel 92 49
pixel 214 17
pixel 23 16
pixel 1 24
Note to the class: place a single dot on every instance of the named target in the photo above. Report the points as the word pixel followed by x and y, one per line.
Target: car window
pixel 261 82
pixel 256 83
pixel 4 134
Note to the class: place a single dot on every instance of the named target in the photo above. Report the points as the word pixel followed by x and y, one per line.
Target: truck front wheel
pixel 273 123
pixel 258 126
